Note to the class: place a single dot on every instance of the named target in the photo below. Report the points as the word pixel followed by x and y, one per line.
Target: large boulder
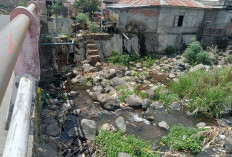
pixel 121 154
pixel 108 102
pixel 53 130
pixel 47 150
pixel 117 81
pixel 134 101
pixel 175 106
pixel 164 125
pixel 121 124
pixel 89 128
pixel 98 89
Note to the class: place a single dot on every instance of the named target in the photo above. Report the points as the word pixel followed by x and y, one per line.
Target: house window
pixel 179 21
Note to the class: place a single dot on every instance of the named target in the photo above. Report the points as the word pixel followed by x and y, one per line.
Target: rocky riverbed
pixel 105 96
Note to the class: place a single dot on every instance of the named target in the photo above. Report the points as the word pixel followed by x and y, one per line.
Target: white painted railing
pixel 19 53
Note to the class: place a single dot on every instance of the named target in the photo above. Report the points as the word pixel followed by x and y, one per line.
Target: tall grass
pixel 210 92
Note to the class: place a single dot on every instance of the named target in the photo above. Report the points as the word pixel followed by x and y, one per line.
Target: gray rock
pixel 76 111
pixel 228 145
pixel 93 69
pixel 164 125
pixel 73 132
pixel 104 83
pixel 98 89
pixel 117 81
pixel 108 102
pixel 201 125
pixel 121 154
pixel 49 120
pixel 98 65
pixel 66 105
pixel 53 130
pixel 86 67
pixel 128 73
pixel 96 79
pixel 89 128
pixel 45 113
pixel 138 65
pixel 197 67
pixel 146 103
pixel 76 79
pixel 157 105
pixel 47 150
pixel 108 127
pixel 175 106
pixel 151 94
pixel 121 124
pixel 171 76
pixel 134 101
pixel 119 73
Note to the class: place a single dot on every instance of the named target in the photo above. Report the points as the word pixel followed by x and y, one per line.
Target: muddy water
pixel 136 125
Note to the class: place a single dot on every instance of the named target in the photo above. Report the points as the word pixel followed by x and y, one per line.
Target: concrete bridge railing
pixel 19 54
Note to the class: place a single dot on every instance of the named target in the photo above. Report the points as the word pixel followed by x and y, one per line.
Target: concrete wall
pixel 158 24
pixel 216 19
pixel 51 25
pixel 138 19
pixel 169 34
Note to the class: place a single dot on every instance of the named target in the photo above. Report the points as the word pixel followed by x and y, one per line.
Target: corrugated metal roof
pixel 140 3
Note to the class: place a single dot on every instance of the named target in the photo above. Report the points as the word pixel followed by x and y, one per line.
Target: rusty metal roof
pixel 140 3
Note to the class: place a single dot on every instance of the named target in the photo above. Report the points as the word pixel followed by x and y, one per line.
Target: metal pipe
pixel 11 40
pixel 17 137
pixel 58 43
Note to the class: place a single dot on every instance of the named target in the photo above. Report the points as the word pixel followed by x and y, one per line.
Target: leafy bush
pixel 149 60
pixel 229 58
pixel 124 92
pixel 122 59
pixel 209 92
pixel 82 18
pixel 203 57
pixel 195 53
pixel 93 27
pixel 166 97
pixel 111 143
pixel 181 138
pixel 170 50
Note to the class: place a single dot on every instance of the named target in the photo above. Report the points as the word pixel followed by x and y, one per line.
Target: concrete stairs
pixel 92 52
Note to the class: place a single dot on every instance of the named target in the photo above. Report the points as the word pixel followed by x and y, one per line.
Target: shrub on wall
pixel 170 50
pixel 82 18
pixel 195 53
pixel 93 27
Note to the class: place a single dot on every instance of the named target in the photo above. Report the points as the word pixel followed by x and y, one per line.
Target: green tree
pixel 88 6
pixel 82 18
pixel 55 7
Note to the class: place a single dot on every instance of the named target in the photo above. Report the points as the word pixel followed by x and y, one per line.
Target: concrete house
pixel 169 22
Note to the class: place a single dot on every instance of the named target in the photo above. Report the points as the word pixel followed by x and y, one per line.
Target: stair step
pixel 91 46
pixel 91 42
pixel 92 52
pixel 94 59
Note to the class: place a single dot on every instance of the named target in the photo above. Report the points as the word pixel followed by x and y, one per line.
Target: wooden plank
pixel 17 138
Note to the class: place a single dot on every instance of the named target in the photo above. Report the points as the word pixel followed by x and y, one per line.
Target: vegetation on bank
pixel 166 97
pixel 125 59
pixel 195 54
pixel 123 92
pixel 111 143
pixel 207 91
pixel 181 138
pixel 82 18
